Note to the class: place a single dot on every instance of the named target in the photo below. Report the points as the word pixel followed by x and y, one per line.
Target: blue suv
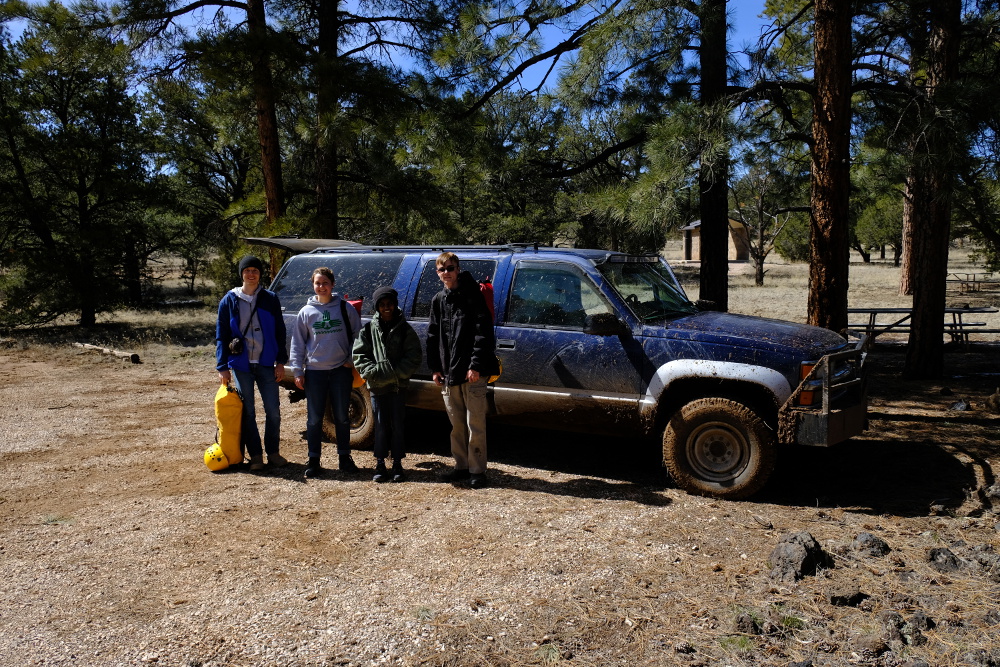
pixel 601 341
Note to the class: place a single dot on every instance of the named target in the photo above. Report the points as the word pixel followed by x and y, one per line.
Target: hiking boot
pixel 397 472
pixel 256 463
pixel 479 481
pixel 347 464
pixel 276 460
pixel 313 468
pixel 455 475
pixel 381 474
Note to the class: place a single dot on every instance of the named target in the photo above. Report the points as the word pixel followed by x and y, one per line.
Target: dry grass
pixel 785 291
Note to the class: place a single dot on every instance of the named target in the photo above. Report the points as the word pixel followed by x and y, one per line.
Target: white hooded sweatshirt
pixel 320 339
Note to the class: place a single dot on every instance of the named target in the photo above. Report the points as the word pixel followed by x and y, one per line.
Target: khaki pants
pixel 466 407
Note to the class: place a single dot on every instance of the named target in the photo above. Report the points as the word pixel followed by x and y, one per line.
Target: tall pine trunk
pixel 267 120
pixel 326 223
pixel 713 177
pixel 929 251
pixel 829 244
pixel 913 212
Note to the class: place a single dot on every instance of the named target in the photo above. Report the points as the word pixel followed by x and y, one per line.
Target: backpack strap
pixel 253 310
pixel 347 320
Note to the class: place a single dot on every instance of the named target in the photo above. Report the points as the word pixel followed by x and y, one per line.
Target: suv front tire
pixel 719 447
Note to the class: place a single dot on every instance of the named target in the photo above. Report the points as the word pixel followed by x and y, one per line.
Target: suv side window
pixel 357 276
pixel 430 284
pixel 551 294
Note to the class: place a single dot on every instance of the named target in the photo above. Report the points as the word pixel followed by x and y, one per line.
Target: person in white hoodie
pixel 320 357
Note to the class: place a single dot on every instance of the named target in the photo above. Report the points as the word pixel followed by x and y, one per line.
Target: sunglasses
pixel 445 269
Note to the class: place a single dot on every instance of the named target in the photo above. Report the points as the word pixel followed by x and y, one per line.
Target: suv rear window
pixel 430 284
pixel 357 277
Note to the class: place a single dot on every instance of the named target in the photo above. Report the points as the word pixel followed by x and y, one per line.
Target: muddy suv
pixel 605 342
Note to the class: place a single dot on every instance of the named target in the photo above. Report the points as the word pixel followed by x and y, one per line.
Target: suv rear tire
pixel 719 447
pixel 361 416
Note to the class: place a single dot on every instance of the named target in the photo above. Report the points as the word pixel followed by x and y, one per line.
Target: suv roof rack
pixel 442 247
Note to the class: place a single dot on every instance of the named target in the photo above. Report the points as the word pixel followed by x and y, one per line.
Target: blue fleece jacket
pixel 272 326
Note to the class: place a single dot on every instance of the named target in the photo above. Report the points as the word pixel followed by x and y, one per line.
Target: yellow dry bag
pixel 228 414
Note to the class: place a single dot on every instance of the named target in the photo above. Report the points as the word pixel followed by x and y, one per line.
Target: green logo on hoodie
pixel 326 324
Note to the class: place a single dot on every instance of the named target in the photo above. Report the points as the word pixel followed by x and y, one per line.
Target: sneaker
pixel 256 463
pixel 313 468
pixel 276 460
pixel 347 464
pixel 479 481
pixel 455 475
pixel 397 472
pixel 381 474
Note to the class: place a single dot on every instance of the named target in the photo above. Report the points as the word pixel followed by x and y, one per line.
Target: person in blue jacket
pixel 250 349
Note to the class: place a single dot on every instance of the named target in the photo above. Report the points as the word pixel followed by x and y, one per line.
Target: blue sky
pixel 744 17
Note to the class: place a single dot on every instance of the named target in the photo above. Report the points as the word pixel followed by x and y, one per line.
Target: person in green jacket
pixel 386 353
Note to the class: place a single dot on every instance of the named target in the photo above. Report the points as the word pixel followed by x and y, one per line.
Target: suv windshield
pixel 647 287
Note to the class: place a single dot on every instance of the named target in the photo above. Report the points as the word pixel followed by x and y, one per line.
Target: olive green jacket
pixel 386 356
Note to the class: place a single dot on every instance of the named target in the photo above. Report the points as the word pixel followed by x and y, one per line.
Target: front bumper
pixel 844 410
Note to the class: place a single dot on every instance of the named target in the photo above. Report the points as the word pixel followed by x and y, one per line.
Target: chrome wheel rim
pixel 718 452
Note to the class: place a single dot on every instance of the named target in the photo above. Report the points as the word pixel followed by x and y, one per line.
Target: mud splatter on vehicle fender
pixel 767 378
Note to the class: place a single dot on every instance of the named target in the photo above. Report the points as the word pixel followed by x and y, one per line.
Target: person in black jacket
pixel 461 354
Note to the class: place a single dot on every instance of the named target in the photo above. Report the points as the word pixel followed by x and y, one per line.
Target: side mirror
pixel 705 305
pixel 604 324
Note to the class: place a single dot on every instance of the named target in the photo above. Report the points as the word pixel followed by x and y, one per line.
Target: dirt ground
pixel 120 548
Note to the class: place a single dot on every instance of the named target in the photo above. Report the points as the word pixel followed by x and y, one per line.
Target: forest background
pixel 137 130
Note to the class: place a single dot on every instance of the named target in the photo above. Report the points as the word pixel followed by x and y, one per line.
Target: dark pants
pixel 334 384
pixel 389 430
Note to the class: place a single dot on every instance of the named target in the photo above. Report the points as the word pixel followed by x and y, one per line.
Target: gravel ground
pixel 120 548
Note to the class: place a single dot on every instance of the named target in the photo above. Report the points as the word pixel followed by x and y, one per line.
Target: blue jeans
pixel 334 384
pixel 389 411
pixel 263 377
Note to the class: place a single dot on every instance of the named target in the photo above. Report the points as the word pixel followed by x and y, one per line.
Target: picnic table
pixel 897 320
pixel 970 282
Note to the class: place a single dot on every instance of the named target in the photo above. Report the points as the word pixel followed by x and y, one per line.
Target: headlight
pixel 813 390
pixel 812 393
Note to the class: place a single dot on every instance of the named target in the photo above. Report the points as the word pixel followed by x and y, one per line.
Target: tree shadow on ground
pixel 903 478
pixel 913 456
pixel 606 468
pixel 870 476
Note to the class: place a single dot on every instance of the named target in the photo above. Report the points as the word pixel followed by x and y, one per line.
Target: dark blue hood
pixel 746 331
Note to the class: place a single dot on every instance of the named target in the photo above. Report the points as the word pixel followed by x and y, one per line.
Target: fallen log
pixel 107 351
pixel 186 303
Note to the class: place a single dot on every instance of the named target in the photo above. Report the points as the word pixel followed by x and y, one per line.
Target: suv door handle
pixel 505 343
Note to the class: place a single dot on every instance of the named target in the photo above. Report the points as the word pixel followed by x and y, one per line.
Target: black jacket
pixel 460 333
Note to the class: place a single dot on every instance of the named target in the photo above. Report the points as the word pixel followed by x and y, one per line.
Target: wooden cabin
pixel 739 241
